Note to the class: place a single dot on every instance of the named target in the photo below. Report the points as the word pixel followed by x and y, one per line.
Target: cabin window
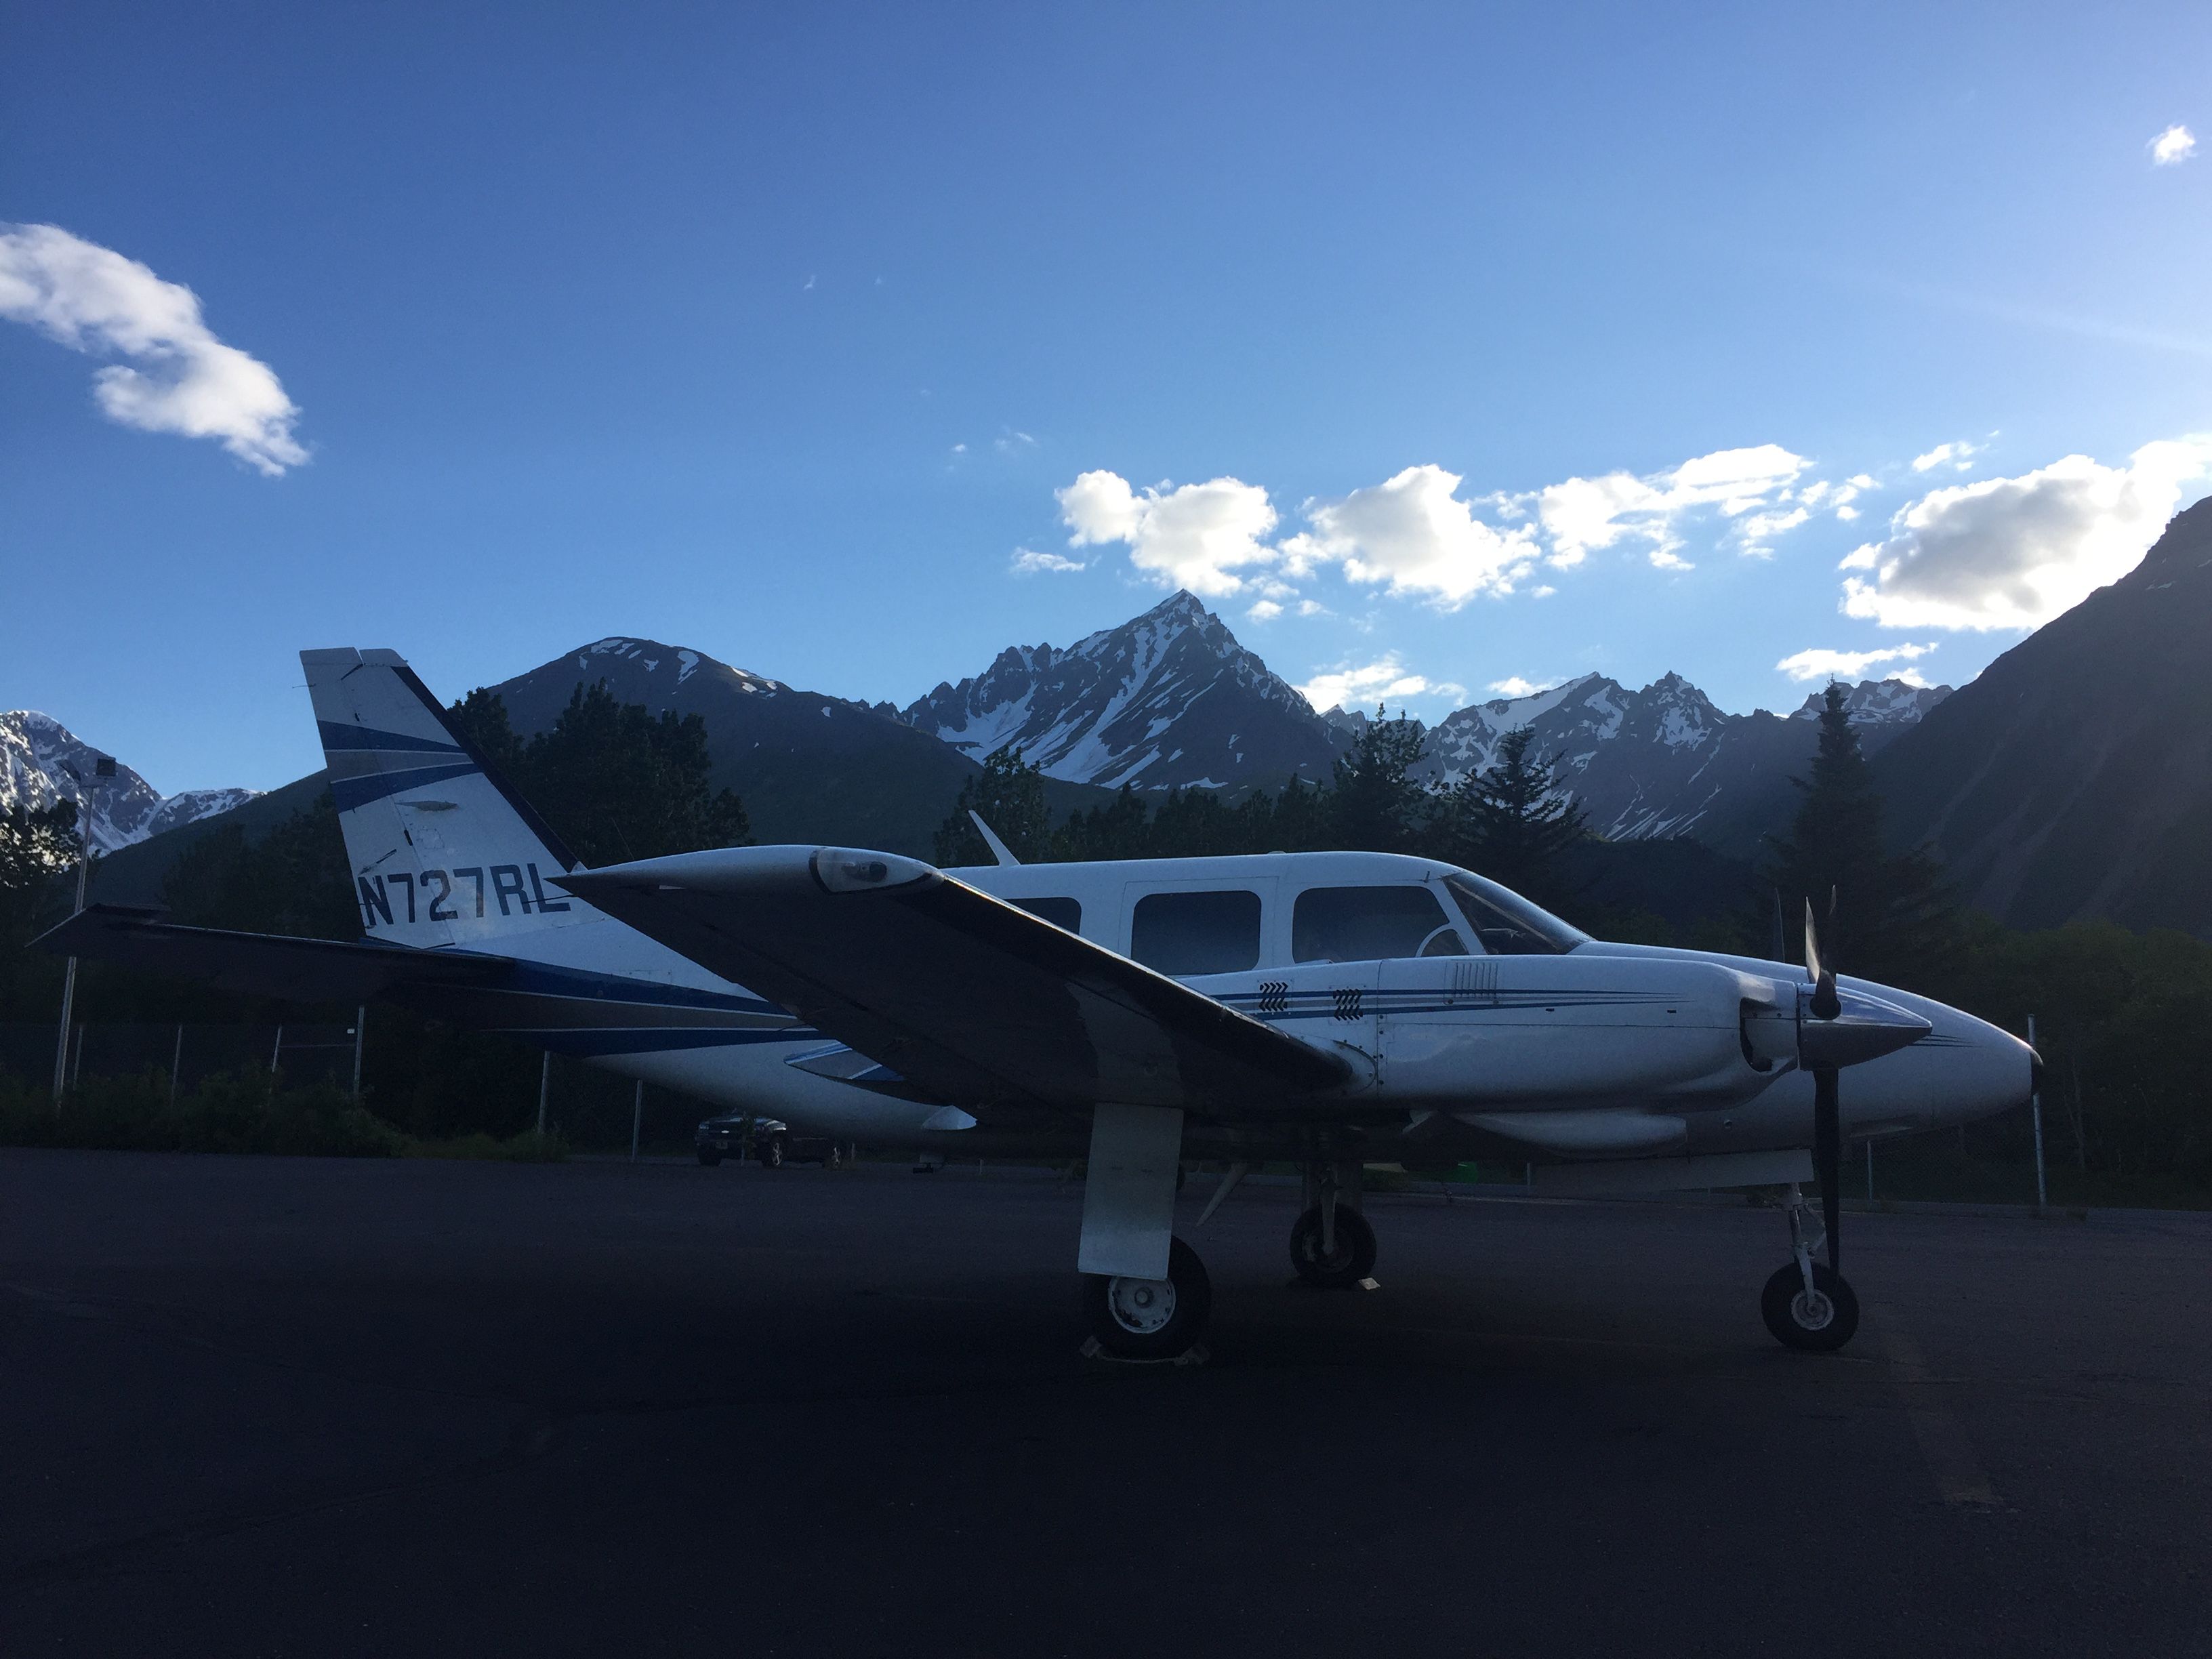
pixel 1060 912
pixel 1184 934
pixel 1367 924
pixel 1508 924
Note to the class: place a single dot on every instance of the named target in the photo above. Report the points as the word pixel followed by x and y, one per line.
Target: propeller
pixel 1824 1005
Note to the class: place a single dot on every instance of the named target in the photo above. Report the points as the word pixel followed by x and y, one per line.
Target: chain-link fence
pixel 187 1055
pixel 589 1109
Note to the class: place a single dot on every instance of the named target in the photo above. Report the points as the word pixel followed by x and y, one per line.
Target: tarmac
pixel 316 1406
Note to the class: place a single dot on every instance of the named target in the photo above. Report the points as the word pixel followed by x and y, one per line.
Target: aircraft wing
pixel 965 995
pixel 261 964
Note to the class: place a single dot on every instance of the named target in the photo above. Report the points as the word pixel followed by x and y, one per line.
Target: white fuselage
pixel 1557 1045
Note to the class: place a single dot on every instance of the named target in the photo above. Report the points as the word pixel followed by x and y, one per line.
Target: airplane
pixel 1326 1010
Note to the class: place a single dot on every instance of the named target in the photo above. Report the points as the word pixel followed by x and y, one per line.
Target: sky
pixel 1444 351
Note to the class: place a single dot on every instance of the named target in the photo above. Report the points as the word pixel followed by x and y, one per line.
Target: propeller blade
pixel 1827 1158
pixel 1825 1004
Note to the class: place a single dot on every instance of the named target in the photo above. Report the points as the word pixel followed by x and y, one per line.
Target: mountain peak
pixel 1877 702
pixel 37 755
pixel 1169 699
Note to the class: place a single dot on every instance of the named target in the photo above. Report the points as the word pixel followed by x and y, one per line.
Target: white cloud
pixel 1817 664
pixel 1027 561
pixel 179 377
pixel 1662 559
pixel 2015 552
pixel 960 449
pixel 1314 608
pixel 1412 532
pixel 1582 515
pixel 1514 686
pixel 2173 146
pixel 1959 456
pixel 1354 686
pixel 1264 610
pixel 1759 529
pixel 1195 536
pixel 1010 441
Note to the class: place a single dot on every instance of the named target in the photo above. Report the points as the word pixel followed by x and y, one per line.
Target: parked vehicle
pixel 770 1140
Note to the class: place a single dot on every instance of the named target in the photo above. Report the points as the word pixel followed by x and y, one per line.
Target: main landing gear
pixel 1150 1318
pixel 1332 1246
pixel 1807 1304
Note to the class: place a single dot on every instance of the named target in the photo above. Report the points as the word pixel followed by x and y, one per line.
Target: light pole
pixel 103 769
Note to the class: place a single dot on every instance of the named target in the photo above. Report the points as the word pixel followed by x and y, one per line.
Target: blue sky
pixel 1519 340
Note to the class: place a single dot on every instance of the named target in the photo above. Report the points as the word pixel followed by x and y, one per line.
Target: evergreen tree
pixel 1375 807
pixel 1118 829
pixel 1513 822
pixel 293 880
pixel 38 846
pixel 614 781
pixel 1892 918
pixel 1302 818
pixel 1008 793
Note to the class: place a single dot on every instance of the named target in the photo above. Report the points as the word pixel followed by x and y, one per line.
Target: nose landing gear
pixel 1332 1246
pixel 1807 1304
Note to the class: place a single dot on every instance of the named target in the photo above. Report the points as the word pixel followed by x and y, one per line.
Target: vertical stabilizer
pixel 442 852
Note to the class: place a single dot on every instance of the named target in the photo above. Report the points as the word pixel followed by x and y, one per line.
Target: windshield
pixel 1508 925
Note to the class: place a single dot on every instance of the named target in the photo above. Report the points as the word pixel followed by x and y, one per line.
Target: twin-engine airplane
pixel 1325 1009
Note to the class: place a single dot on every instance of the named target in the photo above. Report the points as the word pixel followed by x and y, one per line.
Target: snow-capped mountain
pixel 1171 699
pixel 1167 700
pixel 36 750
pixel 1664 761
pixel 1873 704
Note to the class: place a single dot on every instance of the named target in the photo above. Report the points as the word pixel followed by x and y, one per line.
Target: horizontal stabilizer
pixel 263 964
pixel 962 994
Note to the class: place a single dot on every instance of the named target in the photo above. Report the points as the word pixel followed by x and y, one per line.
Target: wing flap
pixel 958 992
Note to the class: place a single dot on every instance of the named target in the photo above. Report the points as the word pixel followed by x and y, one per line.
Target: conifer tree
pixel 1375 807
pixel 1009 795
pixel 1513 822
pixel 1881 916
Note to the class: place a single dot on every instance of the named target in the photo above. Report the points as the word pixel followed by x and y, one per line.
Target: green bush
pixel 248 1110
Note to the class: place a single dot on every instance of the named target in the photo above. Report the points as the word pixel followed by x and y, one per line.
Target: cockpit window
pixel 1180 933
pixel 1367 924
pixel 1060 912
pixel 1508 924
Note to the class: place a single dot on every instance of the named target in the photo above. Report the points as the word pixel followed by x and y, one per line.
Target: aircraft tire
pixel 709 1157
pixel 1355 1249
pixel 770 1152
pixel 1126 1315
pixel 1782 1304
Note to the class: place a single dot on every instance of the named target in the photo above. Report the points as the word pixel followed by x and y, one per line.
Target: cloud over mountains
pixel 1415 536
pixel 2015 552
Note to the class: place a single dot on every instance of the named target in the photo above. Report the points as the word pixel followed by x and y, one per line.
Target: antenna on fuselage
pixel 1000 850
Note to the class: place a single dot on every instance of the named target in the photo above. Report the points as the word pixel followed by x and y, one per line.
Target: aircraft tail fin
pixel 441 850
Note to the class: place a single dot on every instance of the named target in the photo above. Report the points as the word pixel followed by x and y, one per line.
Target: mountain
pixel 2073 778
pixel 1664 761
pixel 36 752
pixel 808 767
pixel 1168 700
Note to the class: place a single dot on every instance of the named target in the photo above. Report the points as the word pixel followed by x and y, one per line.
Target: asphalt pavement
pixel 315 1407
